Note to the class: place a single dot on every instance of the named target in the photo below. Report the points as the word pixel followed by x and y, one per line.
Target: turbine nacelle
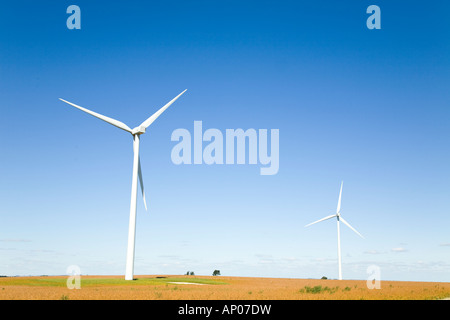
pixel 138 130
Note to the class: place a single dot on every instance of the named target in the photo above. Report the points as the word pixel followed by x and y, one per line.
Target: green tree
pixel 216 273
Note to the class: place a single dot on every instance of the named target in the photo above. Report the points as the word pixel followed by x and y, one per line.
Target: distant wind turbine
pixel 339 218
pixel 136 132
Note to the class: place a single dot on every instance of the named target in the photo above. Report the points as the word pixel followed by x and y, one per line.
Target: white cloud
pixel 372 252
pixel 399 249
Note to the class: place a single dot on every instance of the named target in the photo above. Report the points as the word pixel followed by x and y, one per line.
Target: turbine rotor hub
pixel 138 130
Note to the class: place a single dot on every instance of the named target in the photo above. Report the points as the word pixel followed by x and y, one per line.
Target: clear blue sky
pixel 369 107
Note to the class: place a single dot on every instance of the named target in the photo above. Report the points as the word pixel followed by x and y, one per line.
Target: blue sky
pixel 369 107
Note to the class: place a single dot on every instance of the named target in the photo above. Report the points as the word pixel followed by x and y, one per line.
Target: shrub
pixel 318 289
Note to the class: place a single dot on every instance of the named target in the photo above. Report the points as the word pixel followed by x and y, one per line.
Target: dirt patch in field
pixel 197 284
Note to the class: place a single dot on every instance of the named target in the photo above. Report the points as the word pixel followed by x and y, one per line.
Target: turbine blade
pixel 326 218
pixel 141 180
pixel 141 183
pixel 154 116
pixel 339 201
pixel 114 122
pixel 348 225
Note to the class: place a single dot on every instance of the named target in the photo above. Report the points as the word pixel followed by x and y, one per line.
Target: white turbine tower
pixel 136 132
pixel 338 218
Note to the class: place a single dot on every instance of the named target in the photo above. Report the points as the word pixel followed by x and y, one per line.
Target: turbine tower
pixel 136 132
pixel 338 218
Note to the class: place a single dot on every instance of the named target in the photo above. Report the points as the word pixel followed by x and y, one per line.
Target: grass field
pixel 214 288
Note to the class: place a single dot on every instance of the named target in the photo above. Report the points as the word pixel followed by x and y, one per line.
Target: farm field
pixel 174 287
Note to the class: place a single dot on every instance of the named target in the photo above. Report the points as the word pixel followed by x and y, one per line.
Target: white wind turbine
pixel 136 132
pixel 338 218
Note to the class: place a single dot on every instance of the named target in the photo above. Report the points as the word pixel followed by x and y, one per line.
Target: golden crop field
pixel 166 287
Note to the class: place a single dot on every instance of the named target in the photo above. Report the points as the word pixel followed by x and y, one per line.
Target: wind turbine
pixel 136 132
pixel 338 218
